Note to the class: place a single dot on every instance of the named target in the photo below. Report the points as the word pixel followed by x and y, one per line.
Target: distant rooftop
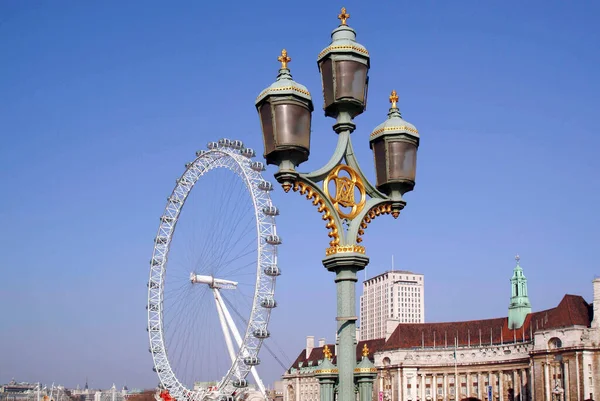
pixel 392 271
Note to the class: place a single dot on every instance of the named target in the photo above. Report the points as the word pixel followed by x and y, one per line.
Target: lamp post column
pixel 345 266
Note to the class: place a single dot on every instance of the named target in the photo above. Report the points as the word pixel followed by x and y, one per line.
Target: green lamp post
pixel 347 201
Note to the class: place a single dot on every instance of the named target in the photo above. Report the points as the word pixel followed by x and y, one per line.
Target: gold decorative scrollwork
pixel 310 193
pixel 344 191
pixel 373 213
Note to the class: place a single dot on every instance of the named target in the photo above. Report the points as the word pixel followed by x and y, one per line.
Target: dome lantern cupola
pixel 395 143
pixel 344 65
pixel 285 110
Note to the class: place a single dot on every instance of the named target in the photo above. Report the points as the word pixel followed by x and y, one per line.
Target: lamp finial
pixel 284 59
pixel 365 351
pixel 394 99
pixel 343 16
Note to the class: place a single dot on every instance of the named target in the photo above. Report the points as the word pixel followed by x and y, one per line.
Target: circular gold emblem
pixel 345 191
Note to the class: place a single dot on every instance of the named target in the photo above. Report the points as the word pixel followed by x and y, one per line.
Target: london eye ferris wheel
pixel 212 281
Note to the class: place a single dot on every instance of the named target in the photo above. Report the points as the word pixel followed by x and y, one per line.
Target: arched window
pixel 554 343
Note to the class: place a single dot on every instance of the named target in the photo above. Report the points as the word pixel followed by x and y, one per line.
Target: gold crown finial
pixel 284 59
pixel 394 99
pixel 343 16
pixel 365 351
pixel 327 352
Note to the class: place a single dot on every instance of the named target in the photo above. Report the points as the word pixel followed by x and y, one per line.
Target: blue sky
pixel 102 104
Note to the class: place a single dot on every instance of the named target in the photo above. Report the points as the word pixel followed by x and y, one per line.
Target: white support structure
pixel 223 321
pixel 238 339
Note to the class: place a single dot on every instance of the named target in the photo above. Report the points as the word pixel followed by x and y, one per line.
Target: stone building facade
pixel 550 355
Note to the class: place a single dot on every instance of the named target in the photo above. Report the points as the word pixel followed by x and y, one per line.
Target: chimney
pixel 596 320
pixel 310 344
pixel 321 342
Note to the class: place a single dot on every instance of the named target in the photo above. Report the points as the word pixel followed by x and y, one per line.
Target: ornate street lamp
pixel 347 201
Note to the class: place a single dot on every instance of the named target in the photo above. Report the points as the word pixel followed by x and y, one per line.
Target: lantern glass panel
pixel 292 122
pixel 402 160
pixel 266 120
pixel 380 162
pixel 351 79
pixel 327 81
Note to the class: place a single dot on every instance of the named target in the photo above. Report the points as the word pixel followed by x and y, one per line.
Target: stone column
pixel 479 385
pixel 404 386
pixel 531 378
pixel 399 383
pixel 523 390
pixel 515 386
pixel 500 386
pixel 546 382
pixel 434 387
pixel 469 384
pixel 422 387
pixel 445 386
pixel 566 380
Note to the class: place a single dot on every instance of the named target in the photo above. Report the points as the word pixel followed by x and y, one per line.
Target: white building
pixel 396 296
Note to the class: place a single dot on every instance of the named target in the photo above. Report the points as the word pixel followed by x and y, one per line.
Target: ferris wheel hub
pixel 213 282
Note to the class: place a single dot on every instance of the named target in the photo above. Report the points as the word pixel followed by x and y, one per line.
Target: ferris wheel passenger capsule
pixel 272 270
pixel 271 210
pixel 261 333
pixel 273 239
pixel 212 145
pixel 265 186
pixel 224 142
pixel 248 152
pixel 268 302
pixel 237 144
pixel 201 152
pixel 240 383
pixel 257 166
pixel 251 361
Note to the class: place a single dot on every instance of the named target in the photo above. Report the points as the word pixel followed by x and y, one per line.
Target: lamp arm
pixel 353 162
pixel 338 154
pixel 352 235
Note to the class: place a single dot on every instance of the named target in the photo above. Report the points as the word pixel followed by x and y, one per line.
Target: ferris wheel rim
pixel 239 161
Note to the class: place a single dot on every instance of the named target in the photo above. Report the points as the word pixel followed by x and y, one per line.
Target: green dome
pixel 343 40
pixel 285 85
pixel 394 124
